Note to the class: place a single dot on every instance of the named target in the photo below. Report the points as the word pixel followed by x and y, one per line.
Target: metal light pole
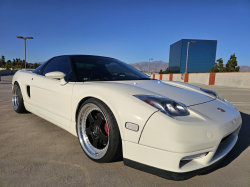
pixel 24 38
pixel 192 42
pixel 149 65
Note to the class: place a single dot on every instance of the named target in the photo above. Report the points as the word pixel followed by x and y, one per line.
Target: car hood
pixel 154 87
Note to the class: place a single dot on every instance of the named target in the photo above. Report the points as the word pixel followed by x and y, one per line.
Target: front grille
pixel 183 163
pixel 224 144
pixel 225 138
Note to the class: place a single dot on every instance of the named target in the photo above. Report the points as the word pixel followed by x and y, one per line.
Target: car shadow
pixel 242 144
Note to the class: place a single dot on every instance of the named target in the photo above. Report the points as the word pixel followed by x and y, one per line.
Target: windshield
pixel 93 68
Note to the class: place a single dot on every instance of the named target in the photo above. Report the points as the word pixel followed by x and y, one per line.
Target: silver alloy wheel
pixel 15 98
pixel 84 137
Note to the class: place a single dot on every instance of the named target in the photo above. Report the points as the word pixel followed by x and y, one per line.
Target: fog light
pixel 191 157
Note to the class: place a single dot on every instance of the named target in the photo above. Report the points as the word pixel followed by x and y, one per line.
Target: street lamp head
pixel 151 59
pixel 29 37
pixel 193 42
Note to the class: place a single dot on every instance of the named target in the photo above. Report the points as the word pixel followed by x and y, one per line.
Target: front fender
pixel 125 107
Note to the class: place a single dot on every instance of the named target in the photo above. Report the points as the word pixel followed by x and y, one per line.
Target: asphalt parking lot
pixel 34 152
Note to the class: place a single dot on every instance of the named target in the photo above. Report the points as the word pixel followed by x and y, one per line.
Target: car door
pixel 50 99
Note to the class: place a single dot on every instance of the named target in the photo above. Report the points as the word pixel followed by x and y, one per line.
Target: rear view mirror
pixel 57 75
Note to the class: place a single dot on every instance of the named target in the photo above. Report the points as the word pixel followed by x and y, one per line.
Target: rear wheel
pixel 17 99
pixel 98 131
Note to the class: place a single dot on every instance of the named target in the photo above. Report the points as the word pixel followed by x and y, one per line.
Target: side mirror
pixel 57 75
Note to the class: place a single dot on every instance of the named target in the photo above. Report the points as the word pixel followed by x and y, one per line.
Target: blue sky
pixel 132 31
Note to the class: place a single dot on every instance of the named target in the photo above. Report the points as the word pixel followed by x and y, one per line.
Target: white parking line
pixel 241 103
pixel 237 94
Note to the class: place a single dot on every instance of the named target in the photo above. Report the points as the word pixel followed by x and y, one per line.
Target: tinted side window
pixel 60 64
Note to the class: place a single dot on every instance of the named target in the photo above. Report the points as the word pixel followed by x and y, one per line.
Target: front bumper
pixel 169 165
pixel 162 147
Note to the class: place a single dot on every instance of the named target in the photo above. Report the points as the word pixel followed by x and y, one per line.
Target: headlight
pixel 212 93
pixel 165 105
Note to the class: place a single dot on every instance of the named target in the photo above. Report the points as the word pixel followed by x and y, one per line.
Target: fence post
pixel 160 76
pixel 186 77
pixel 153 76
pixel 211 78
pixel 171 77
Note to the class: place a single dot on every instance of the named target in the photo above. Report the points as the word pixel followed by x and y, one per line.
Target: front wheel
pixel 98 131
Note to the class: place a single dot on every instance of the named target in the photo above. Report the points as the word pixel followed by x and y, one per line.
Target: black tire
pixel 17 99
pixel 114 146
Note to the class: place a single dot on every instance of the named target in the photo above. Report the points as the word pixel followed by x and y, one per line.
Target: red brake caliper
pixel 106 128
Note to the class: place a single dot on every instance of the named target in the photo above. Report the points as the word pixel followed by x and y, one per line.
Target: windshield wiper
pixel 95 80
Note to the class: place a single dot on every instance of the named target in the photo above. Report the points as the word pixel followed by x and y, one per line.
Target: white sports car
pixel 170 129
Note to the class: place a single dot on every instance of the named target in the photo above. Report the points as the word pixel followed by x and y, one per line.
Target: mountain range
pixel 244 68
pixel 156 66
